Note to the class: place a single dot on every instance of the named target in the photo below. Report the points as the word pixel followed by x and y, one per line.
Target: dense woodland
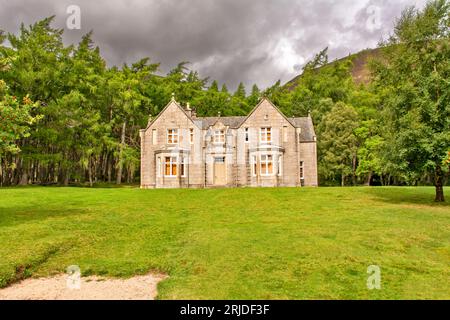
pixel 66 118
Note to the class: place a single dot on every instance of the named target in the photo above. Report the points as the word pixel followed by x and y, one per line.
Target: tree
pixel 279 96
pixel 414 76
pixel 255 96
pixel 130 109
pixel 15 120
pixel 224 88
pixel 320 84
pixel 214 86
pixel 338 146
pixel 369 159
pixel 240 91
pixel 319 60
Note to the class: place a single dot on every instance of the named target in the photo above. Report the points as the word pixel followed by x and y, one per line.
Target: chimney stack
pixel 189 110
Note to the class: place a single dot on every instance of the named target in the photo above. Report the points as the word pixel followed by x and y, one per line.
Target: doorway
pixel 220 171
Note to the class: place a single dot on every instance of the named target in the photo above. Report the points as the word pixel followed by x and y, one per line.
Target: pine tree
pixel 214 86
pixel 255 96
pixel 240 91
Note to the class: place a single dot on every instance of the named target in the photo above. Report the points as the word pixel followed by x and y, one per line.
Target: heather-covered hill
pixel 360 69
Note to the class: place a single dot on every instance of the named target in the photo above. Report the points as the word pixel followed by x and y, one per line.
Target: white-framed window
pixel 280 166
pixel 266 164
pixel 191 135
pixel 220 160
pixel 219 136
pixel 172 136
pixel 158 167
pixel 183 167
pixel 302 170
pixel 247 135
pixel 154 136
pixel 266 135
pixel 254 165
pixel 170 166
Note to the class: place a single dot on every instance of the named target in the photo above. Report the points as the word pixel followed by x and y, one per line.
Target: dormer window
pixel 266 135
pixel 172 136
pixel 219 136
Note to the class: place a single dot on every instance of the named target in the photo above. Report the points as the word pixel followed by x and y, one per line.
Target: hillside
pixel 360 69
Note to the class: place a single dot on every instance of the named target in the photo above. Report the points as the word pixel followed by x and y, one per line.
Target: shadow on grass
pixel 17 215
pixel 408 195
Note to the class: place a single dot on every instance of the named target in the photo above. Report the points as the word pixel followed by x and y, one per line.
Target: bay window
pixel 170 166
pixel 266 165
pixel 280 166
pixel 158 167
pixel 183 167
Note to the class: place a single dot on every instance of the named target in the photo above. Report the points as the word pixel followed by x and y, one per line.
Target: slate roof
pixel 306 124
pixel 307 133
pixel 232 122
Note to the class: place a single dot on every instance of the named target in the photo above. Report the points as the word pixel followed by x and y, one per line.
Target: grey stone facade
pixel 264 149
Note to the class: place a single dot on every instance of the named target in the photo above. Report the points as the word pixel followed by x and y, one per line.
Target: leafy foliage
pixel 394 130
pixel 414 80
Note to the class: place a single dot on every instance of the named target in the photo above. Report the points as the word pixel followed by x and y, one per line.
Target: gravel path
pixel 91 288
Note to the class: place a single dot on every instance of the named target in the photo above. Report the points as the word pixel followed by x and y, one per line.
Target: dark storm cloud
pixel 254 41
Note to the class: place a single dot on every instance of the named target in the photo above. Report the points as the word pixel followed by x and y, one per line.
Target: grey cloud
pixel 254 41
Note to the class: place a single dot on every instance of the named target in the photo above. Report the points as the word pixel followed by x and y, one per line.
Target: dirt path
pixel 91 288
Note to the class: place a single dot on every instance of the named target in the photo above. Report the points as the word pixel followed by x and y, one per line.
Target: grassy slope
pixel 360 69
pixel 235 243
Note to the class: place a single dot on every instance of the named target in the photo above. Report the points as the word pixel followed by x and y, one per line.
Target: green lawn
pixel 235 243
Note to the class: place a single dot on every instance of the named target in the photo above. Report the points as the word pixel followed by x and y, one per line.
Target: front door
pixel 220 171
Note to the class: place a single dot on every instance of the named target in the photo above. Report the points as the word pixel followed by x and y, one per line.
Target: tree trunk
pixel 354 170
pixel 1 172
pixel 439 184
pixel 90 172
pixel 24 177
pixel 342 180
pixel 122 144
pixel 369 179
pixel 66 177
pixel 109 169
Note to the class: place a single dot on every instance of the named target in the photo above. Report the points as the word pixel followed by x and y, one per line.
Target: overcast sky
pixel 254 41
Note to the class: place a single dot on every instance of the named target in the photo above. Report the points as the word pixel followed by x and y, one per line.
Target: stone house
pixel 263 149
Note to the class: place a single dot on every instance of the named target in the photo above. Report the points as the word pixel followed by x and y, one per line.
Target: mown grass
pixel 234 243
